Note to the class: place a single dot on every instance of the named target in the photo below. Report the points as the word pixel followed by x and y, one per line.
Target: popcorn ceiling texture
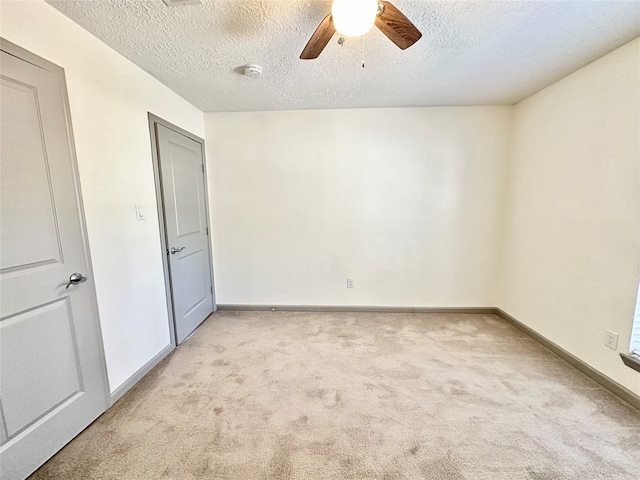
pixel 471 53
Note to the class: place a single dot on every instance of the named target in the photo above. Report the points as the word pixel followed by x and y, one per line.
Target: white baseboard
pixel 352 308
pixel 142 371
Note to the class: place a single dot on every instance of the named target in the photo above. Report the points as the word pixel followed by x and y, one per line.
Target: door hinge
pixel 203 168
pixel 207 229
pixel 211 288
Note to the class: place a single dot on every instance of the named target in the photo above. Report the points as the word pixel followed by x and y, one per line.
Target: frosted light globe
pixel 353 18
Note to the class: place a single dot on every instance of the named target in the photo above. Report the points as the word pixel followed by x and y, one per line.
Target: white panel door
pixel 183 191
pixel 52 376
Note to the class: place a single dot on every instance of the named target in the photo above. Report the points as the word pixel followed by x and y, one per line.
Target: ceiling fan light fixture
pixel 353 18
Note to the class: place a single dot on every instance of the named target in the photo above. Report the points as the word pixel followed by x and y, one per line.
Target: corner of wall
pixel 506 194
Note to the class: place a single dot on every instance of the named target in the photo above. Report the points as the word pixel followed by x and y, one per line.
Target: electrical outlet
pixel 611 340
pixel 349 282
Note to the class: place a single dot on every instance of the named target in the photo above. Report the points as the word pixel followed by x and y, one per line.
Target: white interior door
pixel 183 191
pixel 52 372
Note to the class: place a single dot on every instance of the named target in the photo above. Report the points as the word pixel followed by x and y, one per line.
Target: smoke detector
pixel 253 71
pixel 180 3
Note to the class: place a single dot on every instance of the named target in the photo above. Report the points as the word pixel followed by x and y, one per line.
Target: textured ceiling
pixel 471 52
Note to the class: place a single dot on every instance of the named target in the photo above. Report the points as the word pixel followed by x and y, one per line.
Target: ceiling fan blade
pixel 319 39
pixel 397 27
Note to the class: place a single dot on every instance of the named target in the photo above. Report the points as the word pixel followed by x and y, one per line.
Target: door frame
pixel 30 57
pixel 153 121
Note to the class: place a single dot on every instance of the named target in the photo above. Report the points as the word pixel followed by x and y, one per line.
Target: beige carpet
pixel 262 395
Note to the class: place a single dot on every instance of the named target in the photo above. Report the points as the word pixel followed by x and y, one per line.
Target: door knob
pixel 176 250
pixel 76 278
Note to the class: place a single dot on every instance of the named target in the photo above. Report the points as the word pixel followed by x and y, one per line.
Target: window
pixel 635 332
pixel 632 360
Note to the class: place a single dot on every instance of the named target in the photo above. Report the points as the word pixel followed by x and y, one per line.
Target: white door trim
pixel 153 121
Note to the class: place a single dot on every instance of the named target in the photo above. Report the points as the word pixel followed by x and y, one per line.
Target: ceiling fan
pixel 353 18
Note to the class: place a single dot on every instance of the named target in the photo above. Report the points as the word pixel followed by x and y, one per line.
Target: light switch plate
pixel 140 213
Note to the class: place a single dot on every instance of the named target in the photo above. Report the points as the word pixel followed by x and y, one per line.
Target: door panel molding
pixel 154 120
pixel 52 218
pixel 55 319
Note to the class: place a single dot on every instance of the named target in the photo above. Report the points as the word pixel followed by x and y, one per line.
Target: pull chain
pixel 362 51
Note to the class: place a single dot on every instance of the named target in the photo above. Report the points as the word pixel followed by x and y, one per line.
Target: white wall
pixel 110 98
pixel 572 238
pixel 407 202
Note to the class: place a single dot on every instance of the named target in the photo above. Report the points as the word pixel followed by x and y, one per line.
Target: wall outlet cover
pixel 349 282
pixel 611 340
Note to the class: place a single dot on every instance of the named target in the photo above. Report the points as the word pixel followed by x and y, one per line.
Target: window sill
pixel 631 360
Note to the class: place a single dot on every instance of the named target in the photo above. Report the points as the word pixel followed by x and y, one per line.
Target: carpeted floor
pixel 262 395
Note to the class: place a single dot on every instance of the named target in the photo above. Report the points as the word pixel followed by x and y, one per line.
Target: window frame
pixel 632 359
